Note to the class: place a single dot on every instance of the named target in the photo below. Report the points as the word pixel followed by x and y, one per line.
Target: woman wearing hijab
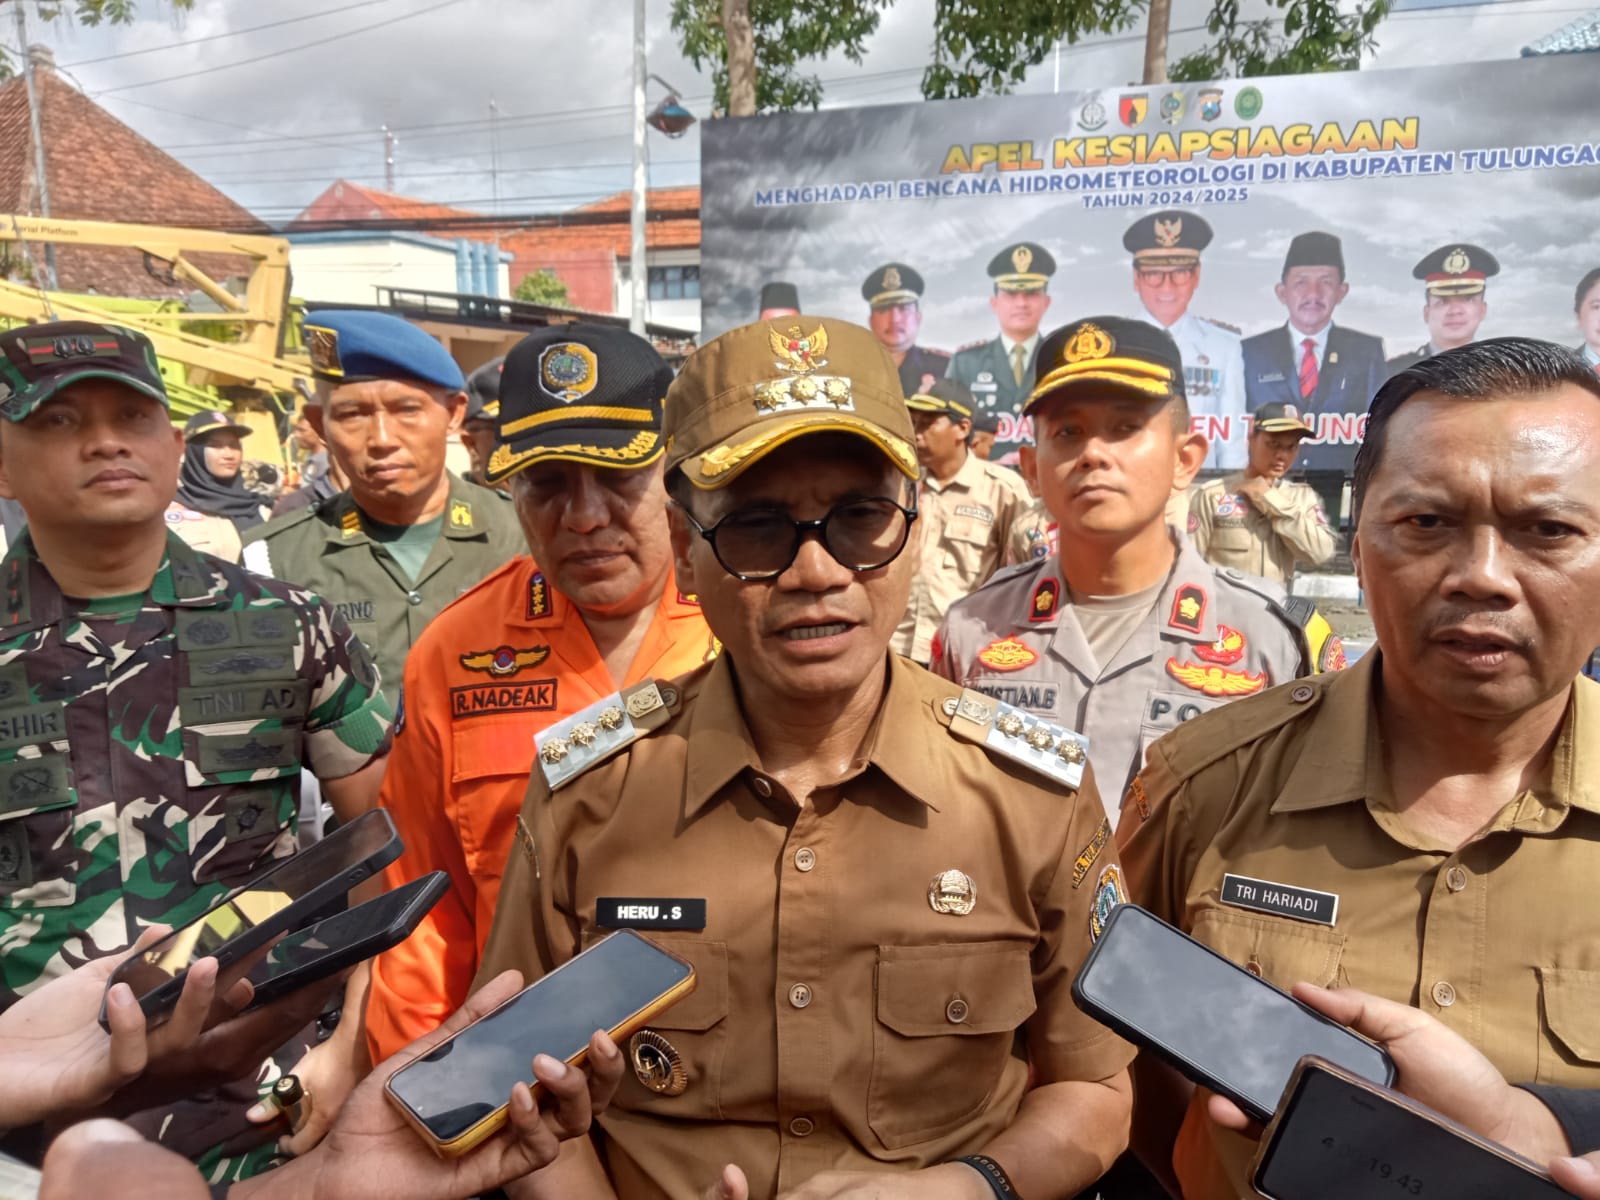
pixel 213 507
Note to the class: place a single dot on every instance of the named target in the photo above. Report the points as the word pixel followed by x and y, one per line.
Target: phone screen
pixel 340 854
pixel 467 1078
pixel 357 926
pixel 1338 1141
pixel 1236 1033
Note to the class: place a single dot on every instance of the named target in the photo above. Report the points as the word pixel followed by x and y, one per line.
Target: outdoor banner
pixel 1454 202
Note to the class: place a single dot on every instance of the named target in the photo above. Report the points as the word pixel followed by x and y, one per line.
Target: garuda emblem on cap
pixel 1089 342
pixel 1168 232
pixel 1457 262
pixel 568 371
pixel 891 279
pixel 799 353
pixel 1022 259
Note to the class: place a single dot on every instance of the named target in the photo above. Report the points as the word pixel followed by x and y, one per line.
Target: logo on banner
pixel 1172 107
pixel 1133 108
pixel 1248 103
pixel 1210 103
pixel 1092 116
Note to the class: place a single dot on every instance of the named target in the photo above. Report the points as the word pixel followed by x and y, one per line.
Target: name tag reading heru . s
pixel 1280 899
pixel 669 912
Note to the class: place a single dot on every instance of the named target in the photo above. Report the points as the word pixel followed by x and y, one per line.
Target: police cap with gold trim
pixel 579 393
pixel 38 361
pixel 948 396
pixel 483 391
pixel 353 346
pixel 1170 238
pixel 1458 269
pixel 756 388
pixel 892 285
pixel 1114 354
pixel 1022 267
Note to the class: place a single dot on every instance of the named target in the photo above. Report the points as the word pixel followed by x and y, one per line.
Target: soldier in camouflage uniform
pixel 156 704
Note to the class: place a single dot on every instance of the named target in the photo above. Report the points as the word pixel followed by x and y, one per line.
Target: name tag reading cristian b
pixel 649 912
pixel 1280 899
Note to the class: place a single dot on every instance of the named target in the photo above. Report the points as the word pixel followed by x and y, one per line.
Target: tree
pixel 542 287
pixel 85 12
pixel 1315 35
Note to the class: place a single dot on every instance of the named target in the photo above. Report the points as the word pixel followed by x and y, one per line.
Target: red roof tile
pixel 99 169
pixel 346 201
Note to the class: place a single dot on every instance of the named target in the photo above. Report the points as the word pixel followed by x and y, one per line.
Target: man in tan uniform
pixel 1125 632
pixel 1255 520
pixel 884 883
pixel 1431 814
pixel 966 508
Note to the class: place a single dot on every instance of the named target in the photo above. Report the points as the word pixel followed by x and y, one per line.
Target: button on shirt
pixel 1497 939
pixel 511 657
pixel 962 531
pixel 824 1031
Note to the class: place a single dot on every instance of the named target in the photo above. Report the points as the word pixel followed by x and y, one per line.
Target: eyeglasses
pixel 1158 277
pixel 759 544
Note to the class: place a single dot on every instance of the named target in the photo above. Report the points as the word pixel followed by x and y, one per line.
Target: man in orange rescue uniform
pixel 595 609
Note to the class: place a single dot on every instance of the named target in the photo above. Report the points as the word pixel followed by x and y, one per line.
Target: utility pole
pixel 494 184
pixel 389 143
pixel 40 170
pixel 638 276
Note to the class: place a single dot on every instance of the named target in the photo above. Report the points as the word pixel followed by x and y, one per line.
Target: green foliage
pixel 84 12
pixel 984 46
pixel 787 34
pixel 1310 35
pixel 542 287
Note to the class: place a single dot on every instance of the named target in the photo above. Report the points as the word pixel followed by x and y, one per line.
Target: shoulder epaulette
pixel 1193 746
pixel 569 748
pixel 1004 573
pixel 1234 329
pixel 974 345
pixel 929 350
pixel 1050 749
pixel 295 516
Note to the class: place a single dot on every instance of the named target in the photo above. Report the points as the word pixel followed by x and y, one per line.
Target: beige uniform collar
pixel 719 745
pixel 968 477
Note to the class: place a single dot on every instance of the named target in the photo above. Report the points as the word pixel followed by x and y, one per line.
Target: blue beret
pixel 350 345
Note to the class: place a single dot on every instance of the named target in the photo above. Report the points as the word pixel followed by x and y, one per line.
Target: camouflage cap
pixel 758 387
pixel 37 361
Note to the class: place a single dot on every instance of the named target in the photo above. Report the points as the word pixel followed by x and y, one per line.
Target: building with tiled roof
pixel 346 201
pixel 1575 37
pixel 99 169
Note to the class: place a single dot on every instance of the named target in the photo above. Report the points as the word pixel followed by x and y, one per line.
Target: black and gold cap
pixel 483 391
pixel 1110 353
pixel 211 420
pixel 948 396
pixel 37 361
pixel 891 285
pixel 1022 267
pixel 744 394
pixel 1279 418
pixel 1458 269
pixel 1170 238
pixel 579 393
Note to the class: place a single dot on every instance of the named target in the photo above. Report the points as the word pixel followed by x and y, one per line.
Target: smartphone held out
pixel 457 1095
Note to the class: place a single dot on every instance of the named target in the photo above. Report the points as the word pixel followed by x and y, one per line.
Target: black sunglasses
pixel 759 544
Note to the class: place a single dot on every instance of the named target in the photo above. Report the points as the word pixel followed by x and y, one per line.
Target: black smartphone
pixel 288 895
pixel 1338 1136
pixel 1219 1025
pixel 456 1095
pixel 345 939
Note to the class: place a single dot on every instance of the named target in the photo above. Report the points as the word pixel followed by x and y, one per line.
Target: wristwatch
pixel 993 1174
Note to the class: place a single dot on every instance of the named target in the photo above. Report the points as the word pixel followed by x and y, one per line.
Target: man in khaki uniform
pixel 1424 826
pixel 1255 520
pixel 966 508
pixel 1124 632
pixel 883 882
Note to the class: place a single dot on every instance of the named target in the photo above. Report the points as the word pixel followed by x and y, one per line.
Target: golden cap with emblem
pixel 579 393
pixel 1114 354
pixel 1022 267
pixel 744 394
pixel 1456 269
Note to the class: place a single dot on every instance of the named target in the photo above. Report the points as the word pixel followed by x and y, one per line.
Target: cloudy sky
pixel 273 99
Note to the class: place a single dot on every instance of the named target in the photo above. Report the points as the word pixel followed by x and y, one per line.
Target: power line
pixel 217 37
pixel 244 62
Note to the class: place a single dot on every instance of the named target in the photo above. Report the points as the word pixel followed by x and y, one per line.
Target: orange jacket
pixel 501 663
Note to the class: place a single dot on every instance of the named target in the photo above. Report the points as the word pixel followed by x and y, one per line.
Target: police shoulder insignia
pixel 1018 735
pixel 1108 893
pixel 1137 797
pixel 538 596
pixel 505 660
pixel 688 598
pixel 1226 650
pixel 1212 680
pixel 1188 608
pixel 350 524
pixel 1007 654
pixel 1046 598
pixel 1332 657
pixel 569 748
pixel 1087 856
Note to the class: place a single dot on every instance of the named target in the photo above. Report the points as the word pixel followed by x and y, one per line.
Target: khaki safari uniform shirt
pixel 963 530
pixel 150 761
pixel 1497 939
pixel 325 548
pixel 840 1022
pixel 1213 635
pixel 506 660
pixel 1230 530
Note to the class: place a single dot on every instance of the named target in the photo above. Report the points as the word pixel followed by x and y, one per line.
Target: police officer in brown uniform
pixel 966 508
pixel 1125 631
pixel 883 882
pixel 1256 520
pixel 1425 825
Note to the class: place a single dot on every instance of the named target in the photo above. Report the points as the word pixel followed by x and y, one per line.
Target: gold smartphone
pixel 457 1094
pixel 1337 1136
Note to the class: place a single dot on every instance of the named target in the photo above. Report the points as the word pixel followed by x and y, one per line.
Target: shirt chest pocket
pixel 491 756
pixel 38 846
pixel 1569 1045
pixel 964 543
pixel 947 1018
pixel 1280 950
